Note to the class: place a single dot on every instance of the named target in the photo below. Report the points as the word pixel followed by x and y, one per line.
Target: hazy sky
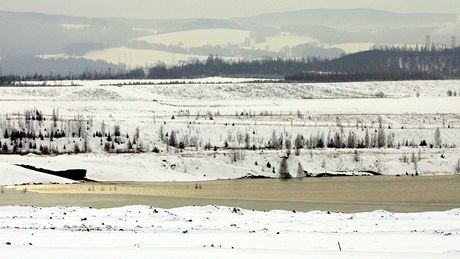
pixel 153 9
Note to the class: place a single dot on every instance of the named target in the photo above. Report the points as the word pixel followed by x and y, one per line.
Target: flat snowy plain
pixel 410 110
pixel 222 232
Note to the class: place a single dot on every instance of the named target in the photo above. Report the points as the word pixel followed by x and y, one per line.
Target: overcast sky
pixel 154 9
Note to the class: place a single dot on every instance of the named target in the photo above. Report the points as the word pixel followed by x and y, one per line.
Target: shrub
pixel 284 171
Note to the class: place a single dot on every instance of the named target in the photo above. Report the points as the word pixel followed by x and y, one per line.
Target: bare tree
pixel 161 133
pixel 172 139
pixel 103 128
pixel 136 135
pixel 404 158
pixel 457 167
pixel 79 124
pixel 412 158
pixel 86 147
pixel 437 138
pixel 356 156
pixel 55 117
pixel 381 138
pixel 247 141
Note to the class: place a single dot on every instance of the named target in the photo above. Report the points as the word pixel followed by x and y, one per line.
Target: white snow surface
pixel 11 174
pixel 222 232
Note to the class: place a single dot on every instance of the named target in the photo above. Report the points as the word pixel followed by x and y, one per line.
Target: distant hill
pixel 350 17
pixel 377 64
pixel 322 33
pixel 442 60
pixel 388 64
pixel 27 65
pixel 385 64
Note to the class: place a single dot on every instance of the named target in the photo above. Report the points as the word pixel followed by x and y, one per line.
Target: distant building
pixel 454 42
pixel 428 42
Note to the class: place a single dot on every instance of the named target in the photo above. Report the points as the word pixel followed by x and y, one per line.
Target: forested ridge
pixel 383 64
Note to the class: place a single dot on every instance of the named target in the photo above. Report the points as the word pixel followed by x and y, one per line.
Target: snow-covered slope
pixel 11 174
pixel 209 166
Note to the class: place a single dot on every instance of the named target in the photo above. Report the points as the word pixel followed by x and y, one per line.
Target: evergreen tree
pixel 172 139
pixel 300 172
pixel 5 147
pixel 284 171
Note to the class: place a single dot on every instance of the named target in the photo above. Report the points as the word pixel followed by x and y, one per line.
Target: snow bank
pixel 202 166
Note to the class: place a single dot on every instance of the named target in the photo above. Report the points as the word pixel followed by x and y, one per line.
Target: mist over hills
pixel 99 43
pixel 358 18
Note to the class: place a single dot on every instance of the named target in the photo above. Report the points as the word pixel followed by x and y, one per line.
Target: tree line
pixel 388 63
pixel 137 73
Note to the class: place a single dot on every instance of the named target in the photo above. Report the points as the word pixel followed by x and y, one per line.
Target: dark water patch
pixel 343 174
pixel 251 176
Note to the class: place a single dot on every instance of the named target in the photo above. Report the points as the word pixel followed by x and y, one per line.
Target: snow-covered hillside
pixel 228 128
pixel 211 231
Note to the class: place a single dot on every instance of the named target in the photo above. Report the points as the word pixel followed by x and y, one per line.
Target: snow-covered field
pixel 222 232
pixel 226 37
pixel 217 88
pixel 199 38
